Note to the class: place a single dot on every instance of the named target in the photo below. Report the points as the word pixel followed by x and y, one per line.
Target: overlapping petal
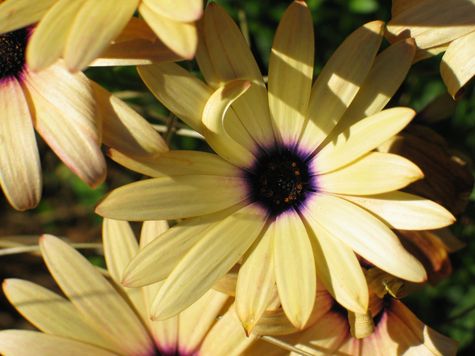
pixel 16 14
pixel 180 11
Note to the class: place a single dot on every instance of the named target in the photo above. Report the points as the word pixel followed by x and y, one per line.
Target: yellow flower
pixel 97 319
pixel 439 26
pixel 79 31
pixel 295 186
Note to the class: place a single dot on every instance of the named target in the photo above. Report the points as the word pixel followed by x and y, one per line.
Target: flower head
pixel 295 187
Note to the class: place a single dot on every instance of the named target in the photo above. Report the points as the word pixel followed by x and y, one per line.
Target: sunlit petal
pixel 16 14
pixel 181 10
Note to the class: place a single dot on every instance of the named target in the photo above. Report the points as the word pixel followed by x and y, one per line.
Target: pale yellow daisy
pixel 79 31
pixel 295 187
pixel 438 26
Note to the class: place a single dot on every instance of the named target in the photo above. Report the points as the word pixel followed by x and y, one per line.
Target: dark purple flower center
pixel 279 180
pixel 12 53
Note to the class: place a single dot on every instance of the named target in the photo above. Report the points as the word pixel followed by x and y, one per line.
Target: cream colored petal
pixel 94 297
pixel 364 234
pixel 337 267
pixel 458 64
pixel 181 37
pixel 120 246
pixel 53 314
pixel 211 257
pixel 256 280
pixel 87 39
pixel 291 72
pixel 338 83
pixel 374 173
pixel 155 261
pixel 66 118
pixel 124 129
pixel 294 263
pixel 177 10
pixel 172 197
pixel 151 230
pixel 20 171
pixel 27 343
pixel 47 43
pixel 433 22
pixel 232 59
pixel 196 321
pixel 361 138
pixel 405 211
pixel 181 92
pixel 16 14
pixel 213 124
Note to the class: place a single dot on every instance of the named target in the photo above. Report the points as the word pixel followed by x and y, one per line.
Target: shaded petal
pixel 337 267
pixel 65 116
pixel 374 173
pixel 94 297
pixel 232 59
pixel 458 64
pixel 175 163
pixel 364 234
pixel 124 129
pixel 53 314
pixel 181 37
pixel 151 230
pixel 16 14
pixel 361 138
pixel 338 83
pixel 27 343
pixel 211 257
pixel 405 211
pixel 181 10
pixel 213 124
pixel 20 171
pixel 87 39
pixel 155 261
pixel 291 72
pixel 295 274
pixel 172 197
pixel 256 280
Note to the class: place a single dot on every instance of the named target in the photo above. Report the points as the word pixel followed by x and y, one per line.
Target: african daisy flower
pixel 294 189
pixel 439 26
pixel 79 31
pixel 98 320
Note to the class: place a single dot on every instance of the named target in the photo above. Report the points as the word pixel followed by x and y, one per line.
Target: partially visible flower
pixel 79 31
pixel 104 319
pixel 295 187
pixel 438 26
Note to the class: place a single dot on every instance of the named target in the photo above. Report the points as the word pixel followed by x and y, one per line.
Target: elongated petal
pixel 151 230
pixel 20 171
pixel 181 37
pixel 66 118
pixel 53 314
pixel 175 163
pixel 27 343
pixel 214 255
pixel 172 197
pixel 181 10
pixel 366 235
pixel 256 280
pixel 338 268
pixel 156 260
pixel 124 129
pixel 373 173
pixel 291 72
pixel 213 125
pixel 294 268
pixel 458 64
pixel 361 138
pixel 95 297
pixel 49 38
pixel 405 211
pixel 16 14
pixel 88 39
pixel 339 81
pixel 181 92
pixel 232 59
